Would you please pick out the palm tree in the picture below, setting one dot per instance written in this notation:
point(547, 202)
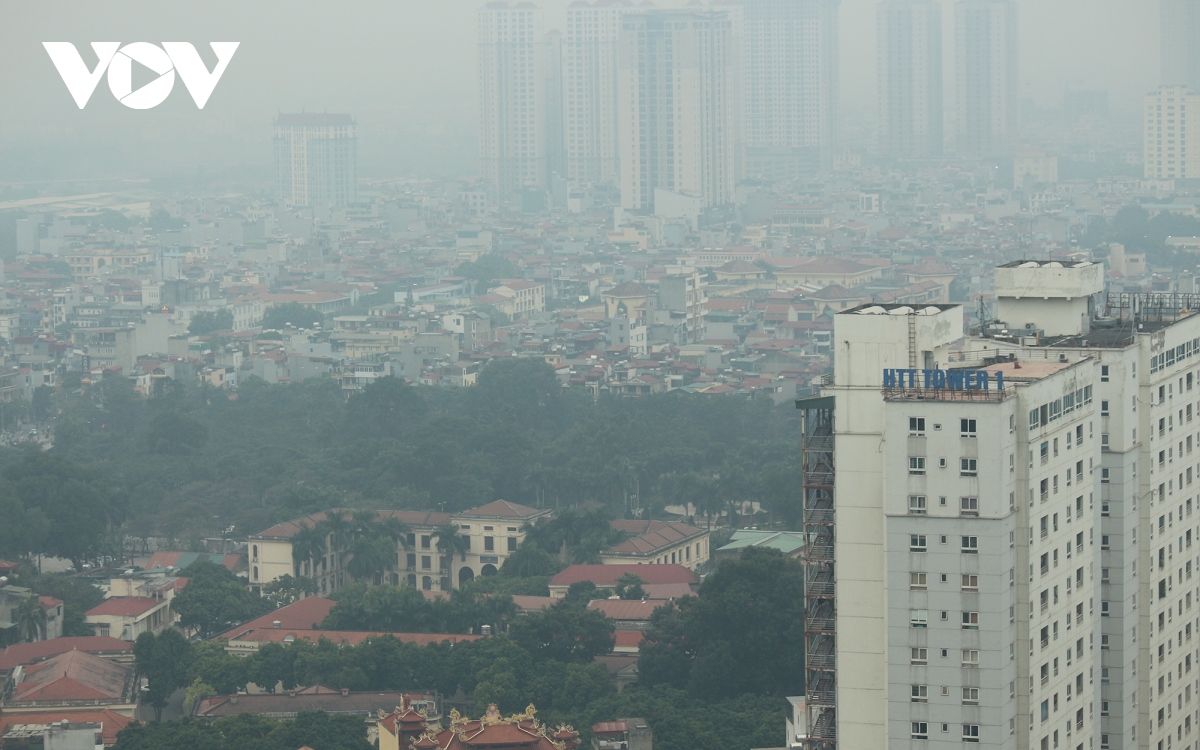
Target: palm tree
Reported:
point(30, 619)
point(308, 544)
point(337, 527)
point(450, 543)
point(364, 521)
point(370, 557)
point(395, 529)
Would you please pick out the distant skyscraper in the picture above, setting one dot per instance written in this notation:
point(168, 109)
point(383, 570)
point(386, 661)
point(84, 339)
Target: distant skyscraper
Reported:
point(512, 97)
point(676, 110)
point(910, 78)
point(316, 159)
point(1181, 43)
point(590, 83)
point(1172, 124)
point(789, 60)
point(985, 40)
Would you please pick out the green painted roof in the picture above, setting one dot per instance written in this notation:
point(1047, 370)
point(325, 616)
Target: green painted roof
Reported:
point(784, 541)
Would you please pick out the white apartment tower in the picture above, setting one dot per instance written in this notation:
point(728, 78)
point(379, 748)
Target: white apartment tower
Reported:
point(676, 106)
point(1172, 123)
point(985, 40)
point(1180, 43)
point(909, 40)
point(789, 52)
point(1099, 461)
point(512, 97)
point(589, 53)
point(316, 159)
point(953, 585)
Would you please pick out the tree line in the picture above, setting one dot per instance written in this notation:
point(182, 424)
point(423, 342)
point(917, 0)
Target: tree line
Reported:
point(191, 461)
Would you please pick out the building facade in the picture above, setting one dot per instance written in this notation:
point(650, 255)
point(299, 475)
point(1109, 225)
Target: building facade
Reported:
point(1172, 123)
point(1180, 43)
point(789, 71)
point(909, 39)
point(676, 106)
point(985, 40)
point(316, 159)
point(512, 97)
point(589, 56)
point(966, 506)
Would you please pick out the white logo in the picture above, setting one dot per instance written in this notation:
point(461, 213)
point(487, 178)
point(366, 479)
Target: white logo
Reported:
point(118, 61)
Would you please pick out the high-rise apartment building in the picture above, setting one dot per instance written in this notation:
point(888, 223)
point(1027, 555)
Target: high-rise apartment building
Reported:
point(512, 97)
point(1171, 125)
point(985, 40)
point(316, 159)
point(789, 102)
point(909, 40)
point(1036, 483)
point(676, 106)
point(589, 54)
point(1180, 42)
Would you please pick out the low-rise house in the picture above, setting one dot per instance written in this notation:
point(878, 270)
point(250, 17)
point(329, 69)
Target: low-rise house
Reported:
point(71, 679)
point(622, 734)
point(249, 641)
point(26, 725)
point(790, 543)
point(127, 617)
point(606, 576)
point(30, 653)
point(662, 543)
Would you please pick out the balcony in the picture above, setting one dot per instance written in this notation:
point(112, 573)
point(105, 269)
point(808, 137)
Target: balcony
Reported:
point(823, 693)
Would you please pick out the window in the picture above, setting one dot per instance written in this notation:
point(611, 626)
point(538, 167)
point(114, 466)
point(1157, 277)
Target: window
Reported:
point(967, 467)
point(920, 730)
point(1103, 373)
point(920, 693)
point(1104, 476)
point(916, 465)
point(966, 427)
point(918, 618)
point(968, 506)
point(919, 656)
point(917, 580)
point(425, 542)
point(916, 543)
point(916, 426)
point(970, 545)
point(970, 621)
point(970, 733)
point(970, 582)
point(970, 695)
point(489, 544)
point(512, 544)
point(970, 657)
point(916, 505)
point(1104, 408)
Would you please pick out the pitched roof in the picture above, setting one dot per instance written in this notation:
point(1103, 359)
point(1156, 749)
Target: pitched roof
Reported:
point(628, 289)
point(28, 653)
point(607, 575)
point(124, 606)
point(655, 540)
point(534, 603)
point(329, 701)
point(110, 721)
point(288, 529)
point(634, 526)
point(75, 675)
point(303, 614)
point(180, 560)
point(623, 609)
point(502, 509)
point(827, 264)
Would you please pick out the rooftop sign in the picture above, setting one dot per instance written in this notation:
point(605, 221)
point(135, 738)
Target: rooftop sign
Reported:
point(951, 380)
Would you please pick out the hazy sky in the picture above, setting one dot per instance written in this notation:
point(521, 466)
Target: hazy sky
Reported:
point(406, 70)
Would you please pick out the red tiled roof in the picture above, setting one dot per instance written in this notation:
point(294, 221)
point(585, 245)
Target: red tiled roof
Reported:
point(607, 575)
point(629, 638)
point(28, 653)
point(502, 509)
point(632, 526)
point(110, 721)
point(534, 603)
point(655, 540)
point(288, 529)
point(124, 606)
point(75, 675)
point(622, 609)
point(305, 614)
